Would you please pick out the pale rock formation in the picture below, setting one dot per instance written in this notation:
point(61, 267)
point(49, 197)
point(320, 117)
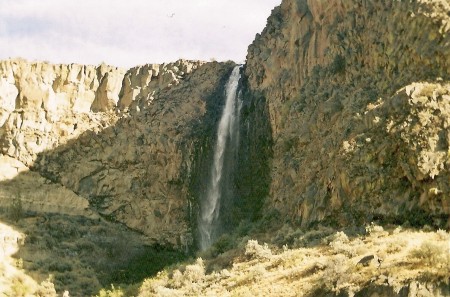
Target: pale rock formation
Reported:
point(36, 193)
point(44, 105)
point(107, 94)
point(143, 83)
point(8, 96)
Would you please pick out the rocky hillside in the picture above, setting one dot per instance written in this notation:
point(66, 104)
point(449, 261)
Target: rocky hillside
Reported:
point(357, 94)
point(319, 263)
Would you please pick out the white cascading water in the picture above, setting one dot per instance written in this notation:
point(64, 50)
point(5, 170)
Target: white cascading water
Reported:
point(228, 130)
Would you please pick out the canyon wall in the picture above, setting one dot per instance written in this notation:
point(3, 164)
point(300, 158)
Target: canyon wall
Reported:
point(345, 120)
point(140, 170)
point(357, 94)
point(128, 144)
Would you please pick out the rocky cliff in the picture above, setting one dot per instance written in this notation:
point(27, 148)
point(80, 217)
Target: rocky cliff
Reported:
point(357, 96)
point(43, 105)
point(345, 121)
point(140, 170)
point(128, 145)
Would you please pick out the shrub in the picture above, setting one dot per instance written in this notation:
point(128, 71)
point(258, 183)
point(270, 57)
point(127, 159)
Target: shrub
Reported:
point(254, 250)
point(19, 287)
point(312, 237)
point(442, 234)
point(373, 229)
point(150, 286)
point(340, 244)
point(195, 272)
point(177, 279)
point(224, 243)
point(47, 288)
point(15, 210)
point(111, 293)
point(338, 65)
point(60, 266)
point(432, 254)
point(339, 237)
point(254, 274)
point(335, 271)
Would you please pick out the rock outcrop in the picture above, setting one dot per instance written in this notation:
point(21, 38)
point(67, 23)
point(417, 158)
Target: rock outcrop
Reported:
point(143, 83)
point(357, 97)
point(44, 105)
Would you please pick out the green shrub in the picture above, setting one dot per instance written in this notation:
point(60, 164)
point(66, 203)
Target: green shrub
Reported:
point(223, 244)
point(60, 266)
point(338, 65)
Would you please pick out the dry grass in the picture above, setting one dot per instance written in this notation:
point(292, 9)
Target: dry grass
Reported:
point(82, 255)
point(14, 281)
point(332, 265)
point(329, 266)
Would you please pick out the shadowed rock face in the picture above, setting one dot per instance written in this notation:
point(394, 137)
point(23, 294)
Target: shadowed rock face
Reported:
point(116, 180)
point(357, 133)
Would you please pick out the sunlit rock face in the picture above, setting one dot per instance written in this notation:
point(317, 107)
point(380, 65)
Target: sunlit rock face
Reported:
point(357, 97)
point(43, 105)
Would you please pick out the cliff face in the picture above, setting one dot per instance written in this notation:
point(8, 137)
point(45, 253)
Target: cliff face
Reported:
point(44, 105)
point(139, 171)
point(357, 96)
point(127, 144)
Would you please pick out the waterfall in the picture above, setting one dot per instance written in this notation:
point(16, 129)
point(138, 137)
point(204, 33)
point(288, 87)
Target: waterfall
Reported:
point(227, 139)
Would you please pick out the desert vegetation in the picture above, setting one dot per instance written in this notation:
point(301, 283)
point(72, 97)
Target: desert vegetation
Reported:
point(312, 263)
point(80, 255)
point(286, 261)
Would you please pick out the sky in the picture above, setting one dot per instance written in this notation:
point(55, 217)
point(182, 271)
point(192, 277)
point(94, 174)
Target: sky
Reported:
point(127, 33)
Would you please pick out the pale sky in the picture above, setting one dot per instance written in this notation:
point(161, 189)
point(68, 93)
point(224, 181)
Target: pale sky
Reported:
point(130, 32)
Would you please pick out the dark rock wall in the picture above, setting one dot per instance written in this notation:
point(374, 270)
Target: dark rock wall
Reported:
point(357, 133)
